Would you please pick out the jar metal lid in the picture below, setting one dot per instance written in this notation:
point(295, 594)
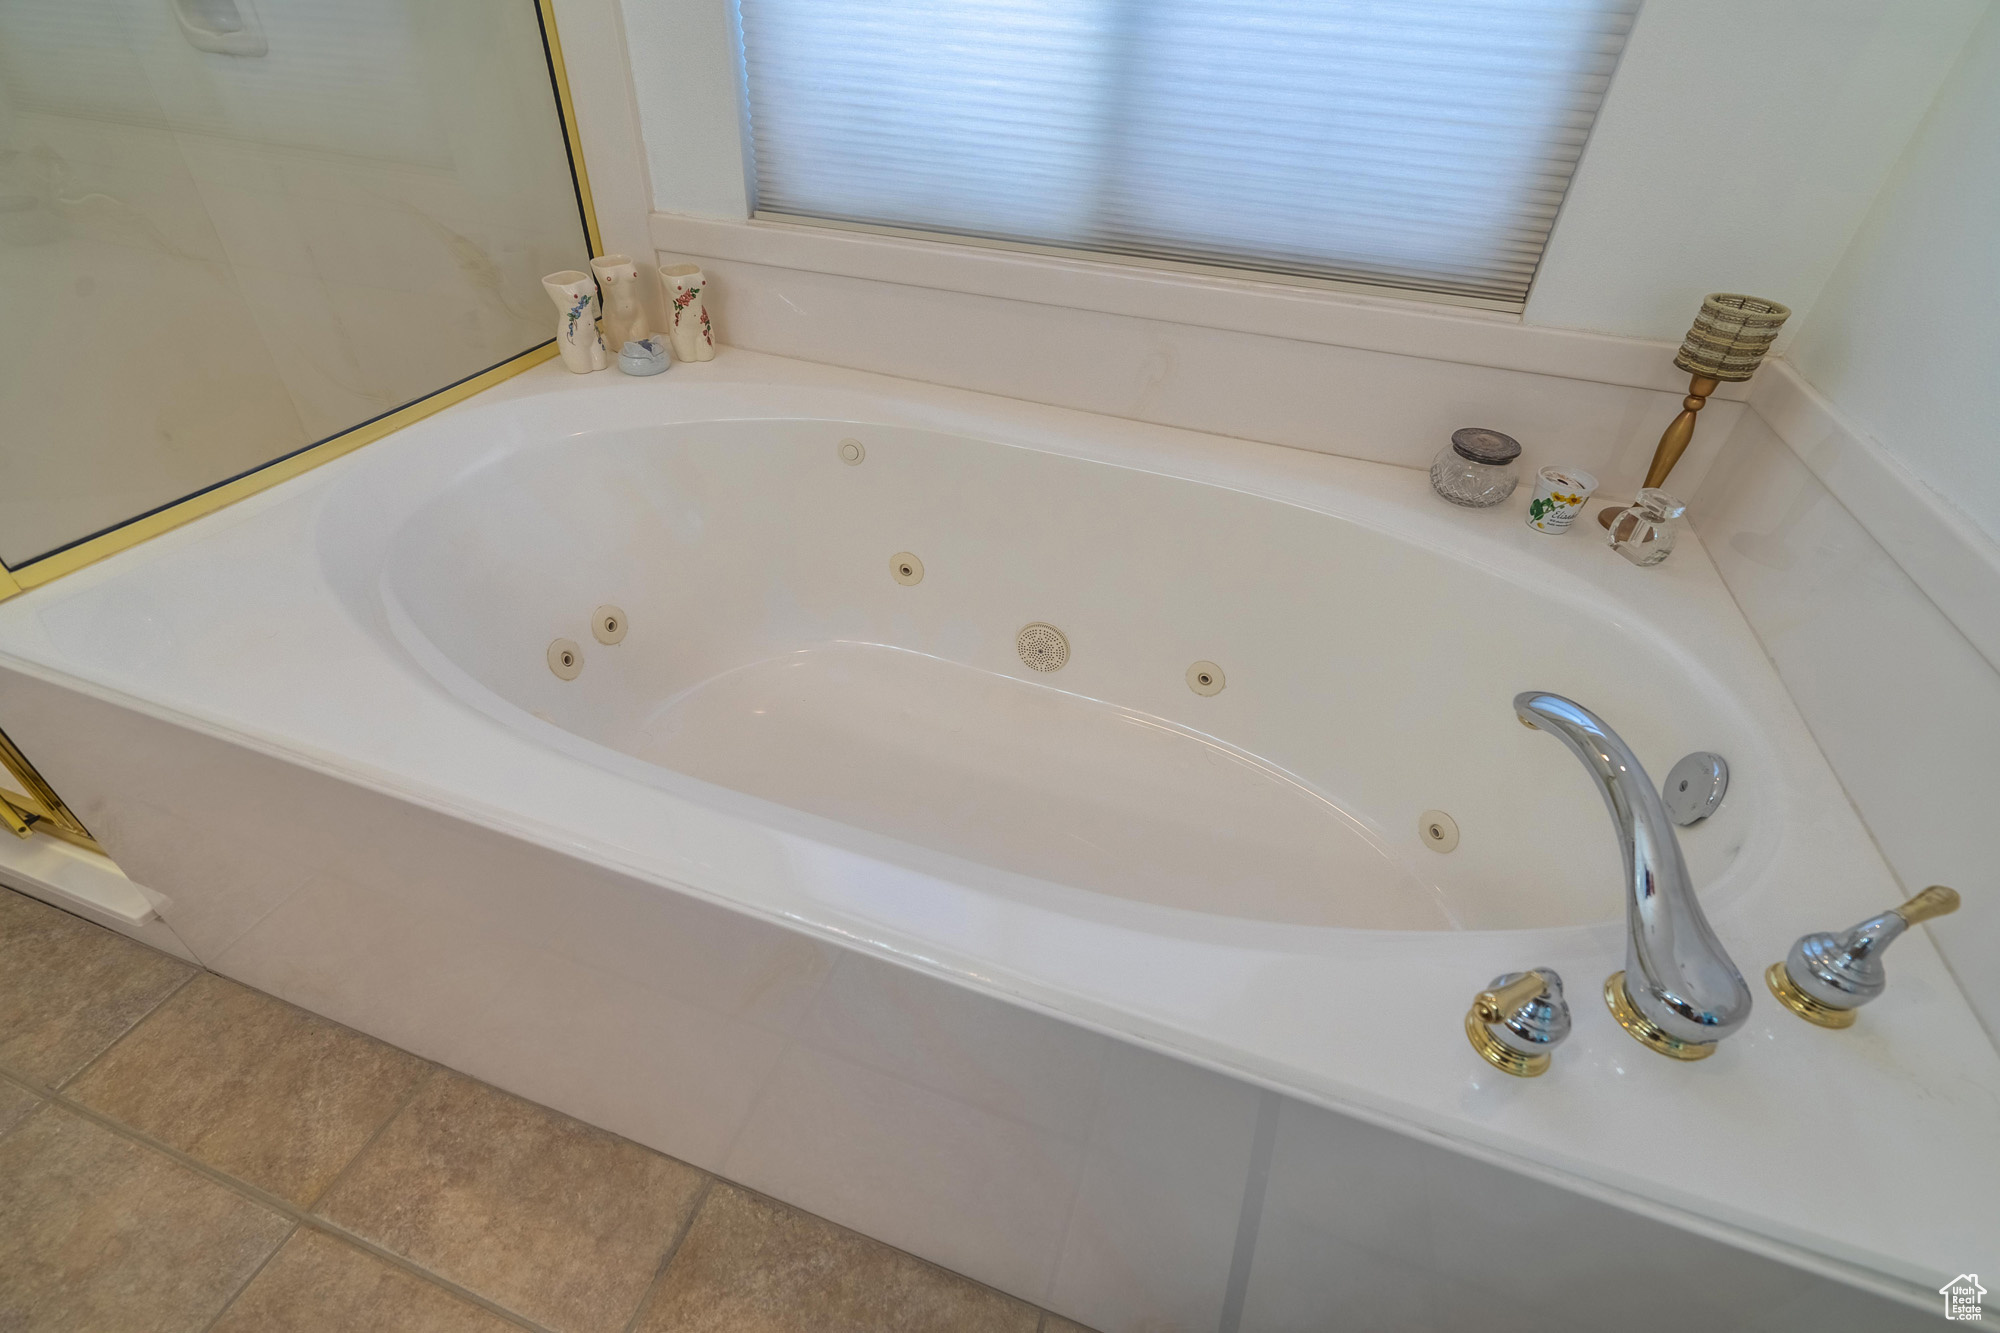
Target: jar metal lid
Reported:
point(1485, 446)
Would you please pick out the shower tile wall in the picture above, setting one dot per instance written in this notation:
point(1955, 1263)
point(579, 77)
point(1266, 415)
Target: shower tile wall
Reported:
point(227, 258)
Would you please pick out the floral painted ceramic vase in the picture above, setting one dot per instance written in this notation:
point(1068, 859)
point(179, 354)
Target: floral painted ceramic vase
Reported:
point(577, 338)
point(693, 337)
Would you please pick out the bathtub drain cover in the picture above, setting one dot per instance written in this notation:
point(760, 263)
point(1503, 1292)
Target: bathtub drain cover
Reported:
point(1042, 647)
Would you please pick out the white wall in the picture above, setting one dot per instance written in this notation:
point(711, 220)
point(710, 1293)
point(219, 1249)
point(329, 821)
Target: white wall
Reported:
point(1874, 589)
point(598, 60)
point(686, 74)
point(1738, 148)
point(1906, 339)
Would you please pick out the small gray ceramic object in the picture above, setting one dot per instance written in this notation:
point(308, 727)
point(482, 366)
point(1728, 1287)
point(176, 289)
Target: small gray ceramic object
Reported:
point(644, 356)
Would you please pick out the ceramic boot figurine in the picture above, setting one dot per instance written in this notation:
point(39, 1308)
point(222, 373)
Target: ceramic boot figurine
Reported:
point(624, 318)
point(694, 339)
point(577, 338)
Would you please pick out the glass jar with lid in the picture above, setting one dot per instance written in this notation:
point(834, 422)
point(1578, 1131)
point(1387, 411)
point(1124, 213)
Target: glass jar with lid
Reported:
point(1478, 469)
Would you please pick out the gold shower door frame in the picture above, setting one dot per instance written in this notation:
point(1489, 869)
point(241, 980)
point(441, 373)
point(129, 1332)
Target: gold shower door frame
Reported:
point(27, 802)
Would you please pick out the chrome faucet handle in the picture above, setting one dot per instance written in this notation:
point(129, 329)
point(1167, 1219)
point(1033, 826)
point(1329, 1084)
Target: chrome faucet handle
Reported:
point(1826, 979)
point(1516, 1022)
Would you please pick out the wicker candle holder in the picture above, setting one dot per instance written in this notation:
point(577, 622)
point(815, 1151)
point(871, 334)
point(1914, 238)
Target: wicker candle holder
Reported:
point(1726, 343)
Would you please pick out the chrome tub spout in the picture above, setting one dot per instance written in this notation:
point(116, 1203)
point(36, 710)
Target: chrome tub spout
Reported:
point(1679, 993)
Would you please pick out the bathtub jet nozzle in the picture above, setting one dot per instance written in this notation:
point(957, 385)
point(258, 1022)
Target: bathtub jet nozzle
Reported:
point(1679, 993)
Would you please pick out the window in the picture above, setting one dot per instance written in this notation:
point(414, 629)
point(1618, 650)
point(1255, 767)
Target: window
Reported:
point(1423, 146)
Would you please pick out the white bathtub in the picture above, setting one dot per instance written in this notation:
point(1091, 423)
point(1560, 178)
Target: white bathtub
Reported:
point(773, 653)
point(811, 880)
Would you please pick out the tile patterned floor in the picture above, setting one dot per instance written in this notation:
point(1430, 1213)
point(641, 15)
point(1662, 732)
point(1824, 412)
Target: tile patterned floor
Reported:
point(178, 1152)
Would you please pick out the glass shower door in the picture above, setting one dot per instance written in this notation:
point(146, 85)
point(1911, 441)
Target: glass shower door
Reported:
point(232, 230)
point(238, 237)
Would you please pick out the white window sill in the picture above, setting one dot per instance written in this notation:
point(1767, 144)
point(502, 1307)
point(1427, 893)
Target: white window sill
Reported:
point(1338, 318)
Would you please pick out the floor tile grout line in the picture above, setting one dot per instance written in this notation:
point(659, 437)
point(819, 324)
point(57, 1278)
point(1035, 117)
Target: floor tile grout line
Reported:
point(244, 1285)
point(347, 1168)
point(286, 1208)
point(137, 1023)
point(422, 1274)
point(22, 1081)
point(673, 1248)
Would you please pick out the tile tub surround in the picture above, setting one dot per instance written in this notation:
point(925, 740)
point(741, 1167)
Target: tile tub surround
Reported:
point(458, 1208)
point(705, 987)
point(450, 1210)
point(1876, 603)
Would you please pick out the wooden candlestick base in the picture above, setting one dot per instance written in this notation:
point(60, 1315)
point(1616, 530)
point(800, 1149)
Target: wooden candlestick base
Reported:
point(1673, 442)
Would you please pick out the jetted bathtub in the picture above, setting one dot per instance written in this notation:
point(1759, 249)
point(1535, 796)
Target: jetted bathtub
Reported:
point(842, 642)
point(1061, 846)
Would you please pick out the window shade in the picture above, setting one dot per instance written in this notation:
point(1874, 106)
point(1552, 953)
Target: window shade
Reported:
point(1416, 145)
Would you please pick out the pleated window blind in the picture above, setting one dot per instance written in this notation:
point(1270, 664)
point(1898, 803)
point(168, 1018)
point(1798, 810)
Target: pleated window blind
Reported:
point(1412, 144)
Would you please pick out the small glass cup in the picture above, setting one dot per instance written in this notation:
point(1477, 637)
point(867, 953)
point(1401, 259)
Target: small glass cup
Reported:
point(1478, 469)
point(1643, 532)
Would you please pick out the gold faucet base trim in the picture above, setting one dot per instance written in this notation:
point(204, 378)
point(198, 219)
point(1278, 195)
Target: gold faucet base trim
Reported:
point(1644, 1030)
point(1503, 1058)
point(1804, 1005)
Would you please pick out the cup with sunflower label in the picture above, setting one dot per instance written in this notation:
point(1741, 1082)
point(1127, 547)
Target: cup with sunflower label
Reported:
point(1558, 499)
